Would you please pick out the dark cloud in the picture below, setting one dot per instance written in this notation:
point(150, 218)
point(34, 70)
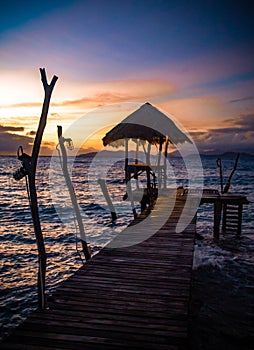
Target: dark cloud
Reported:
point(246, 122)
point(31, 133)
point(248, 98)
point(4, 129)
point(225, 131)
point(10, 141)
point(237, 136)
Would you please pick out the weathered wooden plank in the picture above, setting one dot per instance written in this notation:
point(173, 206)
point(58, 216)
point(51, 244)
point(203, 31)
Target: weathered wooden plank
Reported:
point(126, 298)
point(107, 318)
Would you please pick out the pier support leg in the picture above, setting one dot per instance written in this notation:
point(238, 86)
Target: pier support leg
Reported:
point(217, 219)
point(239, 223)
point(224, 219)
point(110, 204)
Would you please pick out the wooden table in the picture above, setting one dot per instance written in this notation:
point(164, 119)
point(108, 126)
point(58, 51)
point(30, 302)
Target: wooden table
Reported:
point(221, 202)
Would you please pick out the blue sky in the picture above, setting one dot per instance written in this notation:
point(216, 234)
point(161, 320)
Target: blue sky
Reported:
point(196, 56)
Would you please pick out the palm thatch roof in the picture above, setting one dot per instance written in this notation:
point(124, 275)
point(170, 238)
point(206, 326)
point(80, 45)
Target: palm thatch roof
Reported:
point(146, 123)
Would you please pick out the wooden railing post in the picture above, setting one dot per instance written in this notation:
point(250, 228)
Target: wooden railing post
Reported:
point(74, 202)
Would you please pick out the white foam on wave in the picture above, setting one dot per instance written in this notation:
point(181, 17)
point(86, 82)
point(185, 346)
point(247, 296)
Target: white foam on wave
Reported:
point(207, 255)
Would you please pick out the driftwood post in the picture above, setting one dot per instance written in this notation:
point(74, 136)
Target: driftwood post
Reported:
point(48, 88)
point(28, 169)
point(219, 164)
point(74, 202)
point(110, 204)
point(227, 186)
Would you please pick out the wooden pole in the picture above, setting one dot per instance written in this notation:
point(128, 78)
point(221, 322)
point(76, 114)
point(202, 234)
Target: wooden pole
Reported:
point(219, 164)
point(165, 162)
point(110, 204)
point(128, 178)
point(224, 217)
point(239, 219)
point(149, 154)
point(74, 202)
point(159, 163)
point(145, 151)
point(227, 186)
point(137, 152)
point(217, 218)
point(126, 160)
point(136, 162)
point(48, 88)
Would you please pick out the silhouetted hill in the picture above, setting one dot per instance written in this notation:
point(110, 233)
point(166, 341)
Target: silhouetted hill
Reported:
point(132, 154)
point(234, 154)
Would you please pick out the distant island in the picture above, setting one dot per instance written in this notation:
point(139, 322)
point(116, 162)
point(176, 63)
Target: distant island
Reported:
point(175, 154)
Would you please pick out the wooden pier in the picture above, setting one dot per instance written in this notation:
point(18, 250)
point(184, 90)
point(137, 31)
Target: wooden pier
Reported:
point(134, 297)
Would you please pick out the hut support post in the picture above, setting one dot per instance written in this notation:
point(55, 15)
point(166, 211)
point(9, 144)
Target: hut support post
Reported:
point(61, 139)
point(159, 163)
point(149, 154)
point(48, 89)
point(128, 178)
point(136, 162)
point(165, 163)
point(137, 152)
point(126, 160)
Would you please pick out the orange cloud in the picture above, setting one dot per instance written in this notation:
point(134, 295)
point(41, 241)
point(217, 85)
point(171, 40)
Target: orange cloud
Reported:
point(198, 112)
point(100, 93)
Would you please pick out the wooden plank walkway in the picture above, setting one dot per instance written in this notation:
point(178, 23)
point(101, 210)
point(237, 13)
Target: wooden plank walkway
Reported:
point(125, 298)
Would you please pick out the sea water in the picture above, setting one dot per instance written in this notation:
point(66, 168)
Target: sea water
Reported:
point(223, 283)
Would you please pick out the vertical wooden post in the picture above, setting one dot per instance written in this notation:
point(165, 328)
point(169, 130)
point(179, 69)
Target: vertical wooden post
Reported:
point(48, 88)
point(104, 189)
point(227, 186)
point(148, 177)
point(72, 194)
point(137, 152)
point(219, 164)
point(149, 153)
point(217, 219)
point(165, 162)
point(224, 218)
point(126, 160)
point(159, 163)
point(130, 195)
point(128, 178)
point(239, 221)
point(136, 162)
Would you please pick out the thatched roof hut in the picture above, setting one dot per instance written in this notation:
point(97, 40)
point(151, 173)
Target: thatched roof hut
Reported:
point(146, 123)
point(153, 127)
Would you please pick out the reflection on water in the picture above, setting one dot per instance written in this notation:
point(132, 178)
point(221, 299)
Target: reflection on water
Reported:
point(223, 271)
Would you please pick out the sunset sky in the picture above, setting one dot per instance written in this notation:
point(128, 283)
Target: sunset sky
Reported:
point(192, 59)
